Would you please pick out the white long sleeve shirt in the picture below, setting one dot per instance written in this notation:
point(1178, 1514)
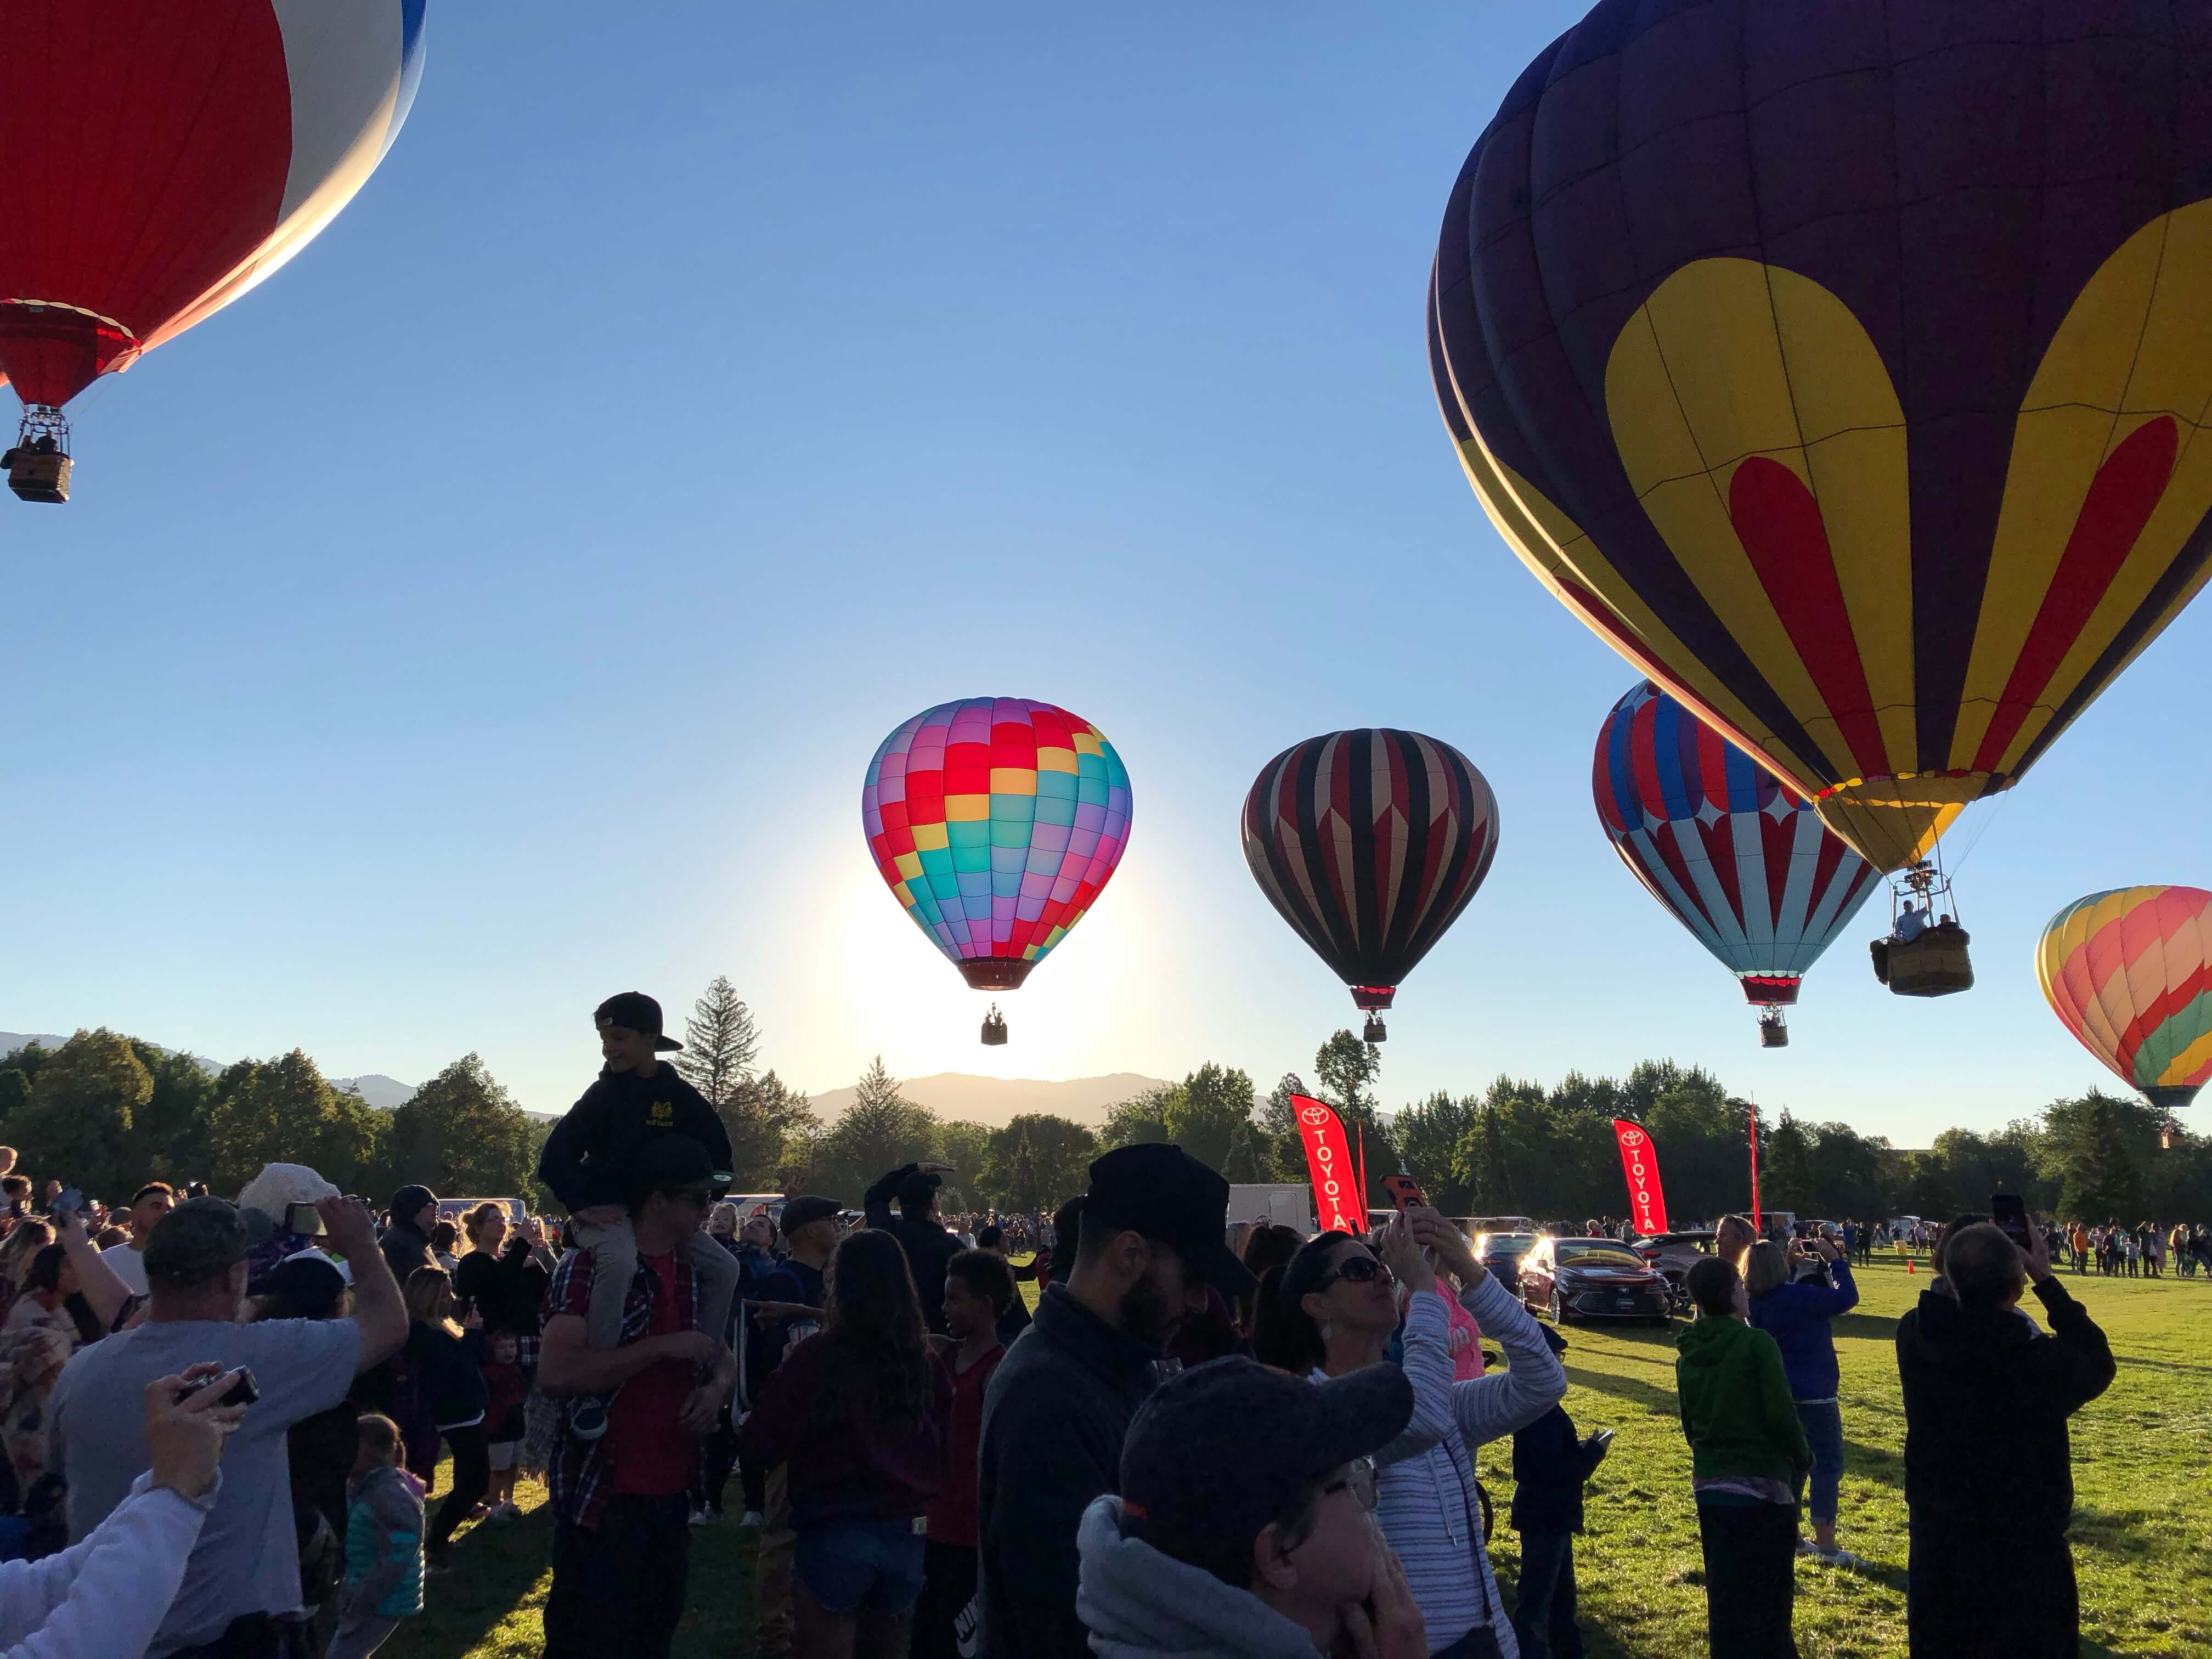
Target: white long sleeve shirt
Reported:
point(108, 1594)
point(1426, 1499)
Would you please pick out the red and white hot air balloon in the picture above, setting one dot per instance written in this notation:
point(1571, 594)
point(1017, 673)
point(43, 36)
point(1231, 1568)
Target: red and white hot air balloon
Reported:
point(161, 157)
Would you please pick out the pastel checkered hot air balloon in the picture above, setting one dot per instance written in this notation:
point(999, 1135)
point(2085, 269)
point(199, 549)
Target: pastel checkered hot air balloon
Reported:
point(161, 157)
point(1842, 366)
point(996, 822)
point(1739, 857)
point(2129, 973)
point(1369, 843)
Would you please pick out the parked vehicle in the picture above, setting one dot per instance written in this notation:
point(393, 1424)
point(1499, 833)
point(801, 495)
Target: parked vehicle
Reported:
point(1593, 1279)
point(1501, 1254)
point(1674, 1255)
point(1283, 1204)
point(1475, 1226)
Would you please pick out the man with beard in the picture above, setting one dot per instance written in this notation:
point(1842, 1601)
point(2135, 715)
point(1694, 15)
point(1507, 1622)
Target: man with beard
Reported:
point(1149, 1241)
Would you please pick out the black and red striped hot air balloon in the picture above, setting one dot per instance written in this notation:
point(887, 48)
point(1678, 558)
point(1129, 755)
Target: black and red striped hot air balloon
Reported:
point(1371, 843)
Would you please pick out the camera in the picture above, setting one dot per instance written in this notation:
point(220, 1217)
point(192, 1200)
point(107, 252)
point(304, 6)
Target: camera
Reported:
point(244, 1392)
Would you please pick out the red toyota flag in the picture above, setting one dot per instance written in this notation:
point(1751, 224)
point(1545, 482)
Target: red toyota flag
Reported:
point(1336, 1207)
point(1640, 1163)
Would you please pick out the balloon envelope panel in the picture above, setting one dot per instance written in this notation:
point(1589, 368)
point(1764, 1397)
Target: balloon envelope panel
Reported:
point(1741, 858)
point(1369, 843)
point(2128, 973)
point(1839, 363)
point(162, 159)
point(996, 822)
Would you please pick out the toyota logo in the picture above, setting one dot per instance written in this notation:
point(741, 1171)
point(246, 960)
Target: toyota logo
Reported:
point(1315, 1115)
point(1631, 1137)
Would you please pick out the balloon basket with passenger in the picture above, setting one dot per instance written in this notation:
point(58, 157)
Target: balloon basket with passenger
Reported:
point(39, 467)
point(1926, 953)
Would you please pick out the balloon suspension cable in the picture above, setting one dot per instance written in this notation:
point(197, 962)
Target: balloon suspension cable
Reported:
point(1922, 886)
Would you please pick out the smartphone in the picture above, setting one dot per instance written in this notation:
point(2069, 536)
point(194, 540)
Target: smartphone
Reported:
point(69, 1198)
point(2011, 1216)
point(244, 1392)
point(1404, 1191)
point(303, 1218)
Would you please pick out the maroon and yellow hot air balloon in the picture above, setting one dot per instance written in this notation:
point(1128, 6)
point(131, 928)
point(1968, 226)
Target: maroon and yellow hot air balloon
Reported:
point(1841, 364)
point(2130, 974)
point(1369, 843)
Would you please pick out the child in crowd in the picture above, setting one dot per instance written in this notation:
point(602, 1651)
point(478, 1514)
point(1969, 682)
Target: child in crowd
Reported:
point(384, 1544)
point(1749, 1460)
point(636, 1099)
point(978, 1286)
point(1550, 1466)
point(505, 1391)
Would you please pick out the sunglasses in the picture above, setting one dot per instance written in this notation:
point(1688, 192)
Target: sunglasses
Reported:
point(1359, 1480)
point(1358, 1270)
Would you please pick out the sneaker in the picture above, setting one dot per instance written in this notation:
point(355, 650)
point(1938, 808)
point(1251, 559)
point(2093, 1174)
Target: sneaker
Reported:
point(1839, 1557)
point(588, 1417)
point(700, 1518)
point(1806, 1547)
point(750, 1518)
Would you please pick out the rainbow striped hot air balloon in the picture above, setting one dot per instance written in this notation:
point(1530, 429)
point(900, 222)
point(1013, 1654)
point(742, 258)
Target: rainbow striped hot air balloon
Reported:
point(996, 822)
point(2129, 973)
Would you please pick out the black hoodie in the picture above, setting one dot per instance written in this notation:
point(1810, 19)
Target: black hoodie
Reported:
point(1986, 1400)
point(587, 1157)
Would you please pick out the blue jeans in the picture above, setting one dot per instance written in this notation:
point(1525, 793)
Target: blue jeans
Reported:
point(1824, 1433)
point(1544, 1612)
point(861, 1566)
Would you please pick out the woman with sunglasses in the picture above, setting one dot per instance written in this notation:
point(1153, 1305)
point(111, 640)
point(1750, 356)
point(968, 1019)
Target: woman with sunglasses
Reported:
point(1334, 1309)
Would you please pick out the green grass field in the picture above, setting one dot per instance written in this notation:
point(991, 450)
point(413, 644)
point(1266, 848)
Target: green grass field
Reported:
point(2142, 1534)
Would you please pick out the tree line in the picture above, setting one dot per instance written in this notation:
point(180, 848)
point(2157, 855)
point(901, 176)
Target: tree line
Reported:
point(108, 1111)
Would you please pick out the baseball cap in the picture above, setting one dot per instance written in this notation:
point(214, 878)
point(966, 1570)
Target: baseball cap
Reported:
point(641, 1013)
point(1223, 1448)
point(800, 1211)
point(202, 1237)
point(1164, 1193)
point(668, 1163)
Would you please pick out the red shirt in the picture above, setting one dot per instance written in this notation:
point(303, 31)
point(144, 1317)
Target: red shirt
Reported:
point(646, 1454)
point(952, 1511)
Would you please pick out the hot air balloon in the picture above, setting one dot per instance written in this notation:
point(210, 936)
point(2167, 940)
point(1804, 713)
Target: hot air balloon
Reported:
point(2129, 973)
point(1369, 843)
point(162, 159)
point(1741, 858)
point(996, 822)
point(1840, 364)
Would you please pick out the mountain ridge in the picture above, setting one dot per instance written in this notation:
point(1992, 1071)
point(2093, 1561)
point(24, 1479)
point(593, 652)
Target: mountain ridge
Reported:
point(384, 1093)
point(995, 1102)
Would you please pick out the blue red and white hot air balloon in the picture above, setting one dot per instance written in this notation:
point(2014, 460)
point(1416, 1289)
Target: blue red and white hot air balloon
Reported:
point(159, 159)
point(1741, 858)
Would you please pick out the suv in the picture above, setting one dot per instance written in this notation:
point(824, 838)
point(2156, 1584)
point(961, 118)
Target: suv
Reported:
point(1501, 1253)
point(1674, 1255)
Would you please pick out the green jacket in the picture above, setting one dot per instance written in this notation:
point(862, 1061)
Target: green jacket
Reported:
point(1736, 1408)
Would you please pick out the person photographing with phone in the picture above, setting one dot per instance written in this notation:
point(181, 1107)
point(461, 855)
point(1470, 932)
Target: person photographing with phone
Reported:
point(243, 1581)
point(1798, 1313)
point(1989, 1486)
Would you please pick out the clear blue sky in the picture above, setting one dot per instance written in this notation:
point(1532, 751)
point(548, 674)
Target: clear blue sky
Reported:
point(496, 609)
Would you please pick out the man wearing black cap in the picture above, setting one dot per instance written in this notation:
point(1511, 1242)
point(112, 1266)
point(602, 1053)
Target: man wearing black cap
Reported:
point(1244, 1529)
point(635, 1102)
point(406, 1243)
point(928, 1247)
point(243, 1582)
point(1150, 1240)
point(620, 1498)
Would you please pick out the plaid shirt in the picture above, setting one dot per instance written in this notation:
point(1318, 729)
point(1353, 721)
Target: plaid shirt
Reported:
point(580, 1479)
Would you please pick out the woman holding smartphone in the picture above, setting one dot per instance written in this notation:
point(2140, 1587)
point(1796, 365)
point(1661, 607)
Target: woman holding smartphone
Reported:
point(1798, 1314)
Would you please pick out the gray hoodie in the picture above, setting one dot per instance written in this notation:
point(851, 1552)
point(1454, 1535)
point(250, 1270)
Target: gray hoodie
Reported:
point(1140, 1604)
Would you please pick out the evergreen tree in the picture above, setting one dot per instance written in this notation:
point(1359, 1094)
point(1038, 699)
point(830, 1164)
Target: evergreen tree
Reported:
point(721, 1043)
point(463, 1136)
point(763, 1118)
point(1037, 1161)
point(881, 1130)
point(2099, 1178)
